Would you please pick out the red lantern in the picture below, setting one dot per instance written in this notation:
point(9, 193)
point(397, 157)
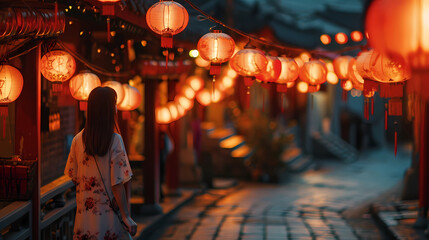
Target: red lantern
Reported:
point(249, 62)
point(167, 18)
point(186, 103)
point(289, 71)
point(354, 75)
point(81, 85)
point(163, 115)
point(132, 98)
point(57, 66)
point(272, 71)
point(356, 36)
point(217, 48)
point(325, 39)
point(341, 66)
point(204, 97)
point(11, 83)
point(341, 38)
point(195, 82)
point(117, 86)
point(314, 73)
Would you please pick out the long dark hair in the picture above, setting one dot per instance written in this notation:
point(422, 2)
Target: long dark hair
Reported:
point(100, 121)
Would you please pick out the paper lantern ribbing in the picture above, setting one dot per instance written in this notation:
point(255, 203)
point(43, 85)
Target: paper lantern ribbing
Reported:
point(82, 84)
point(57, 66)
point(289, 72)
point(314, 73)
point(217, 48)
point(341, 66)
point(167, 18)
point(132, 98)
point(117, 86)
point(272, 71)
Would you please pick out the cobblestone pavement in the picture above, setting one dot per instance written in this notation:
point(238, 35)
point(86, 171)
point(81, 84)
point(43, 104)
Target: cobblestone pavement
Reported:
point(307, 206)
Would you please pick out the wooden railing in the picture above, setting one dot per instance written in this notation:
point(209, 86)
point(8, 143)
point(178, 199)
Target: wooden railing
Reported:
point(15, 221)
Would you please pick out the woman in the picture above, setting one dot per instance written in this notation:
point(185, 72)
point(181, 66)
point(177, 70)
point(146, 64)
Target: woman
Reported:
point(98, 151)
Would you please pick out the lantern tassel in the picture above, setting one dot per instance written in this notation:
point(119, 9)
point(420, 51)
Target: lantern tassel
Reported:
point(311, 101)
point(215, 68)
point(365, 109)
point(281, 99)
point(396, 142)
point(108, 30)
point(166, 60)
point(248, 98)
point(372, 105)
point(166, 41)
point(213, 87)
point(385, 117)
point(83, 106)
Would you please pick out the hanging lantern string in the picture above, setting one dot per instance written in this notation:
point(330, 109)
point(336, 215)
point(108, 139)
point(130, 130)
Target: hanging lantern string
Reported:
point(93, 67)
point(265, 42)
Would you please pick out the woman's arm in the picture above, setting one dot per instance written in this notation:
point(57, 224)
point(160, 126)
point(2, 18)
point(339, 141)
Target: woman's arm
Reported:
point(121, 199)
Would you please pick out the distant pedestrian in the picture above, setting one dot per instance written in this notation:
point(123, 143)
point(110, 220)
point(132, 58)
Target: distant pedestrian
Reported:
point(99, 166)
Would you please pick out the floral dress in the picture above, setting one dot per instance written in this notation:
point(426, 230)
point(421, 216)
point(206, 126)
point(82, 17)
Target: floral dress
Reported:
point(94, 217)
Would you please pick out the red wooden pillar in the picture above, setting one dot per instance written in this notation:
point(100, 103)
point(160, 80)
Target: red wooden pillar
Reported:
point(151, 162)
point(27, 128)
point(172, 164)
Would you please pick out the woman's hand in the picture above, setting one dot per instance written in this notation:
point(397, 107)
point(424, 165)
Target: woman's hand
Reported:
point(132, 226)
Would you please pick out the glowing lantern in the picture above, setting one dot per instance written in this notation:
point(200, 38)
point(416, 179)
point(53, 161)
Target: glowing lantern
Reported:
point(356, 36)
point(305, 56)
point(173, 110)
point(57, 66)
point(249, 62)
point(304, 87)
point(11, 83)
point(188, 92)
point(81, 85)
point(117, 86)
point(354, 76)
point(227, 82)
point(195, 82)
point(216, 96)
point(289, 71)
point(272, 71)
point(341, 66)
point(290, 84)
point(314, 73)
point(204, 97)
point(231, 73)
point(347, 85)
point(132, 98)
point(217, 48)
point(163, 115)
point(167, 18)
point(299, 62)
point(325, 39)
point(331, 78)
point(341, 38)
point(201, 62)
point(184, 101)
point(180, 110)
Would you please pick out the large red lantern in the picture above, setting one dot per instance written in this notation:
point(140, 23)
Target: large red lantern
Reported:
point(132, 98)
point(57, 66)
point(289, 72)
point(249, 62)
point(354, 75)
point(11, 83)
point(217, 48)
point(167, 18)
point(81, 86)
point(272, 71)
point(117, 86)
point(314, 73)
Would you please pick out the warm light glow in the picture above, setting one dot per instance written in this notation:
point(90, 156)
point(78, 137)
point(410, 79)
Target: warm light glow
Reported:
point(290, 84)
point(184, 101)
point(117, 86)
point(325, 39)
point(231, 73)
point(329, 66)
point(356, 36)
point(272, 71)
point(302, 87)
point(11, 83)
point(305, 56)
point(331, 78)
point(341, 66)
point(289, 70)
point(313, 72)
point(163, 115)
point(355, 93)
point(228, 82)
point(188, 92)
point(347, 85)
point(216, 47)
point(194, 53)
point(180, 109)
point(341, 38)
point(201, 62)
point(195, 82)
point(132, 98)
point(217, 97)
point(204, 97)
point(173, 110)
point(354, 75)
point(248, 62)
point(57, 66)
point(144, 43)
point(82, 84)
point(299, 62)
